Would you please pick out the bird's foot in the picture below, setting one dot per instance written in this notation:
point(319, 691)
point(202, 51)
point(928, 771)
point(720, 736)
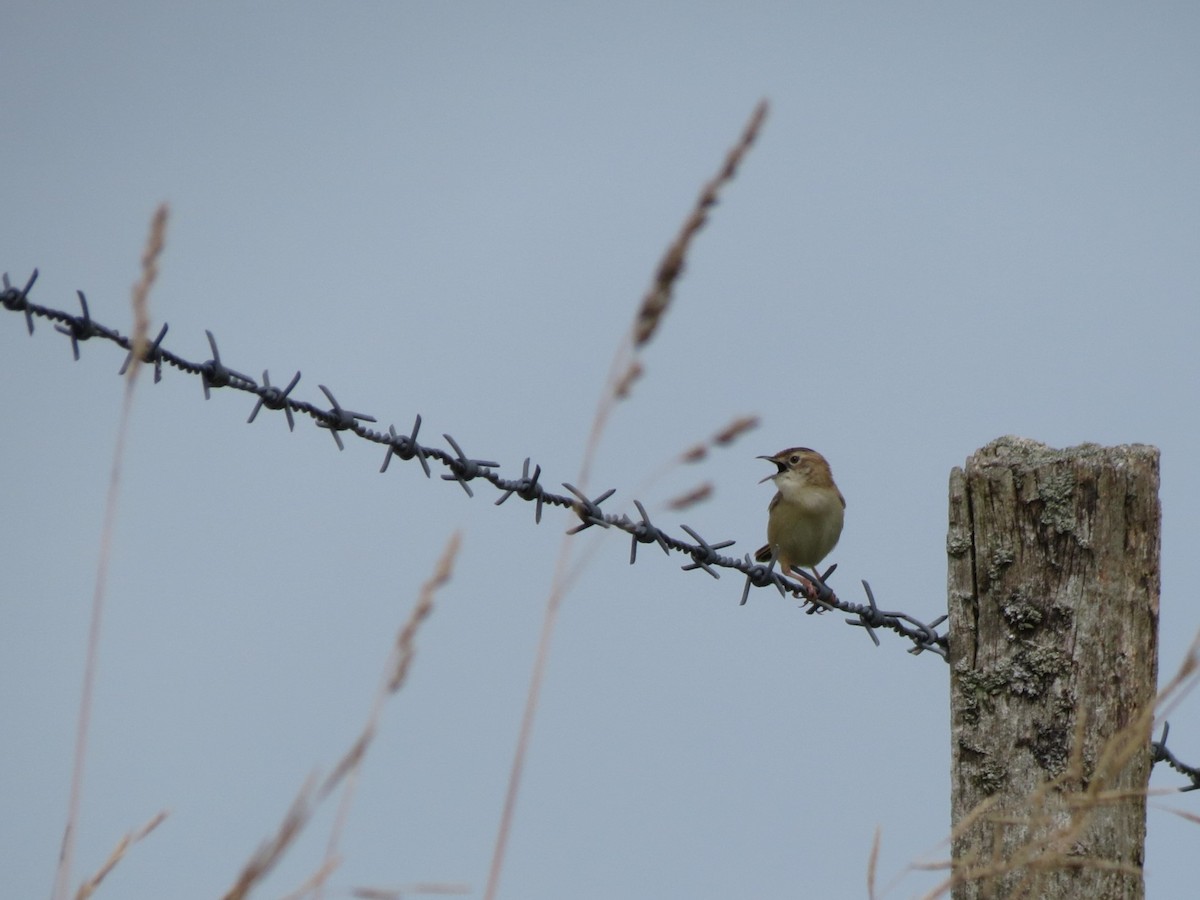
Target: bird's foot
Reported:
point(811, 588)
point(809, 592)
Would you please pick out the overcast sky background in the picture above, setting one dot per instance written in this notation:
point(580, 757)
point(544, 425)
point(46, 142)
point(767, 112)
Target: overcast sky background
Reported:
point(960, 221)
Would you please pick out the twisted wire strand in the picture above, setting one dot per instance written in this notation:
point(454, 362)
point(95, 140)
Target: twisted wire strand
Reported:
point(466, 469)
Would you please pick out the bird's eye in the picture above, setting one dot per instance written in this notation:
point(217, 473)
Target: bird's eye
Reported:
point(794, 458)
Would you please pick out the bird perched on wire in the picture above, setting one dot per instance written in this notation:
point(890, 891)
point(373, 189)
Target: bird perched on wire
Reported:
point(804, 520)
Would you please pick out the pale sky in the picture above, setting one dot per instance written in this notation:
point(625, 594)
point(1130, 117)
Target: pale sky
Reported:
point(960, 221)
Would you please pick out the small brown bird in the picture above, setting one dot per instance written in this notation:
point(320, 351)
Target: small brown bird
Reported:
point(804, 520)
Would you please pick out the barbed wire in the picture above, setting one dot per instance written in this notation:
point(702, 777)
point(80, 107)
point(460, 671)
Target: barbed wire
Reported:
point(1160, 753)
point(465, 469)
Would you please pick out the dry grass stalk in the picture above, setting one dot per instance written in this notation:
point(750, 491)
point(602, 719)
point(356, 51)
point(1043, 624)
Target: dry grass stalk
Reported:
point(1184, 814)
point(347, 768)
point(722, 438)
point(624, 371)
point(141, 294)
point(405, 651)
point(626, 368)
point(624, 384)
point(559, 585)
point(658, 298)
point(734, 430)
point(401, 892)
point(698, 453)
point(691, 498)
point(271, 851)
point(401, 660)
point(89, 887)
point(314, 882)
point(141, 290)
point(872, 863)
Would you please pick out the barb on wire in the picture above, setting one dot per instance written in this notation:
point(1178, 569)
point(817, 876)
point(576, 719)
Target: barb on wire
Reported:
point(645, 533)
point(18, 300)
point(79, 328)
point(589, 510)
point(813, 589)
point(405, 447)
point(215, 375)
point(273, 398)
point(153, 354)
point(527, 488)
point(758, 575)
point(463, 468)
point(1162, 754)
point(704, 555)
point(338, 419)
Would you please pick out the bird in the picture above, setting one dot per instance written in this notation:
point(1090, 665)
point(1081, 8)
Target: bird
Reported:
point(805, 517)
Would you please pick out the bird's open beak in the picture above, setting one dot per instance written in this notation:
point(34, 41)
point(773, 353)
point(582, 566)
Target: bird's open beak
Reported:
point(770, 459)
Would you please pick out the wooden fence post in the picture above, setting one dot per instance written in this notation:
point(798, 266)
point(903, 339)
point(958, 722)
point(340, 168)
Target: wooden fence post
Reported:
point(1053, 592)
